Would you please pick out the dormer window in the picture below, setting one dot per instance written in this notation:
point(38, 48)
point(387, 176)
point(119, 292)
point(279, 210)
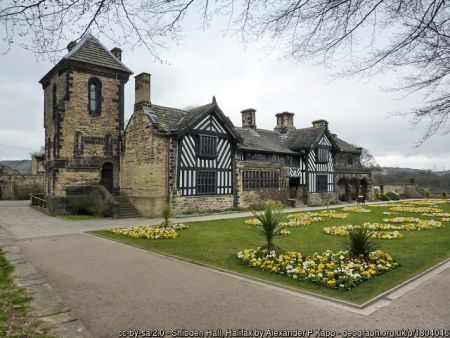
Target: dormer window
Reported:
point(95, 96)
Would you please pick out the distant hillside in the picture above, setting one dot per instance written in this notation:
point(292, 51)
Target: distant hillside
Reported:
point(436, 181)
point(22, 166)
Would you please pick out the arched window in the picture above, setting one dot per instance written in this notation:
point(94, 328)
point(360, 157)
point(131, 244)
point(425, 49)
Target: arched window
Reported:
point(95, 96)
point(108, 144)
point(78, 143)
point(54, 100)
point(55, 97)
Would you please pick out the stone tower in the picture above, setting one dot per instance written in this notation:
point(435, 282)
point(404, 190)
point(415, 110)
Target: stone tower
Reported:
point(84, 117)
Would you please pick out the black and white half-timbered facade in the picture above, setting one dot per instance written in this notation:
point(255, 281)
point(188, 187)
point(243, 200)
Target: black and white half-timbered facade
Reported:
point(197, 159)
point(206, 154)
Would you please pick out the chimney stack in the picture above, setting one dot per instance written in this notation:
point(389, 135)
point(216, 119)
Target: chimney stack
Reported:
point(117, 52)
point(285, 122)
point(248, 118)
point(71, 45)
point(141, 90)
point(320, 123)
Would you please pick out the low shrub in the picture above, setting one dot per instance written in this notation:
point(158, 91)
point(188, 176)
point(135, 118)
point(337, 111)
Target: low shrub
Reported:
point(444, 195)
point(92, 204)
point(384, 197)
point(393, 196)
point(359, 242)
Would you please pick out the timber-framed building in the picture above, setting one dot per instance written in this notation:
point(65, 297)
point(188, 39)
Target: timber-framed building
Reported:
point(191, 159)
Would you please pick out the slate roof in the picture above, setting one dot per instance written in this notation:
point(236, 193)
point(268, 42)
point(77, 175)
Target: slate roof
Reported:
point(166, 116)
point(346, 147)
point(262, 140)
point(192, 115)
point(303, 138)
point(90, 50)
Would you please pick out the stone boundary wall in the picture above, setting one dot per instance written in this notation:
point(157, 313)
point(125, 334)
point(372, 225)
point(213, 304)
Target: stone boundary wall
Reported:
point(202, 203)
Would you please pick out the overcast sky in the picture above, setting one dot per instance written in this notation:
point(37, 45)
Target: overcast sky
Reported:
point(204, 64)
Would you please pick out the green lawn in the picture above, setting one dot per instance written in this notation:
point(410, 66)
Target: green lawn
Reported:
point(80, 217)
point(14, 319)
point(217, 242)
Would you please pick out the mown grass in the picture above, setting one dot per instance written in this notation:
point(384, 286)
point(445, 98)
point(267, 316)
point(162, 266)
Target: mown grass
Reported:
point(217, 242)
point(14, 307)
point(80, 217)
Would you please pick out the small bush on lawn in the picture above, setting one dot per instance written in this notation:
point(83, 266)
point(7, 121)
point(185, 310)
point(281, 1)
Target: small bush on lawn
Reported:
point(338, 270)
point(358, 242)
point(167, 213)
point(444, 195)
point(394, 196)
point(269, 227)
point(385, 197)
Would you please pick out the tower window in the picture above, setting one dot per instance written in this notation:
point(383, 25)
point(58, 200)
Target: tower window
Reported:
point(108, 144)
point(78, 144)
point(95, 96)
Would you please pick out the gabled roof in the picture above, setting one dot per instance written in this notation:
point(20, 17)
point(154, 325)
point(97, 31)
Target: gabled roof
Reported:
point(195, 114)
point(346, 147)
point(177, 121)
point(307, 137)
point(262, 140)
point(303, 138)
point(90, 50)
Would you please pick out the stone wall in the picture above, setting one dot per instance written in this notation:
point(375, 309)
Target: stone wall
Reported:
point(316, 199)
point(405, 190)
point(247, 197)
point(14, 185)
point(144, 174)
point(202, 203)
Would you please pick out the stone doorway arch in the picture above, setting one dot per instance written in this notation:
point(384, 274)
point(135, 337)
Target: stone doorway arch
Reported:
point(107, 178)
point(354, 187)
point(363, 187)
point(343, 190)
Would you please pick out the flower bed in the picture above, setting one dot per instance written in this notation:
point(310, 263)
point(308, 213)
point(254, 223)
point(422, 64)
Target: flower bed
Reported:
point(401, 220)
point(356, 209)
point(332, 269)
point(387, 233)
point(415, 209)
point(150, 231)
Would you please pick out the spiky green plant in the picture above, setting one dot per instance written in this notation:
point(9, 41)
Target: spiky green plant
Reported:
point(269, 227)
point(358, 242)
point(166, 213)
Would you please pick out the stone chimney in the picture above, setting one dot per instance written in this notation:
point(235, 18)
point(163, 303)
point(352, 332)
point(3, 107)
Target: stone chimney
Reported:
point(320, 123)
point(71, 45)
point(117, 52)
point(141, 90)
point(248, 118)
point(285, 122)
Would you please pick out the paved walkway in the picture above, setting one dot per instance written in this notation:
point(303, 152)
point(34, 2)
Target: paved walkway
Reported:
point(112, 287)
point(25, 222)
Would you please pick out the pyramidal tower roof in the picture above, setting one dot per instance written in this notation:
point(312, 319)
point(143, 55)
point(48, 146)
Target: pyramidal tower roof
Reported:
point(90, 50)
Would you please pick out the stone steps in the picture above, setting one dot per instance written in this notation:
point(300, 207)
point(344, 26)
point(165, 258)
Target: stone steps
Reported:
point(127, 209)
